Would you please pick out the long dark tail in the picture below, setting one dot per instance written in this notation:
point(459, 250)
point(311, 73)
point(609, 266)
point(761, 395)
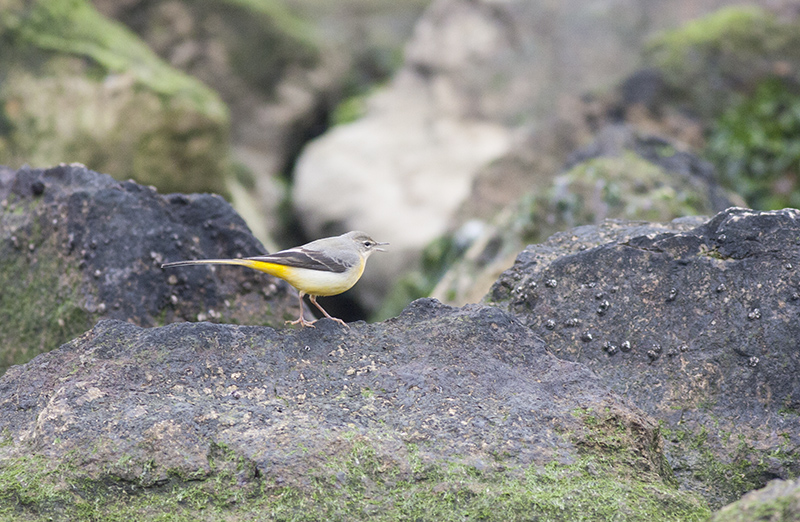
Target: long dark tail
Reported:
point(240, 262)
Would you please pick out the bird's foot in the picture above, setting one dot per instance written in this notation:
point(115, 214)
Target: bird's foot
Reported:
point(340, 322)
point(302, 322)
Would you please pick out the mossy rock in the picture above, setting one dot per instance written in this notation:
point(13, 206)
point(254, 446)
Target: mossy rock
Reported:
point(77, 246)
point(157, 429)
point(708, 60)
point(357, 484)
point(80, 88)
point(779, 501)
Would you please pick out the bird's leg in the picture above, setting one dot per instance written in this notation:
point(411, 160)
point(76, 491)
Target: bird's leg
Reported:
point(313, 299)
point(301, 320)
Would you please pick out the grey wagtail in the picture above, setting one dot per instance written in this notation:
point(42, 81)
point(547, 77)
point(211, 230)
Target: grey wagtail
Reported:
point(323, 267)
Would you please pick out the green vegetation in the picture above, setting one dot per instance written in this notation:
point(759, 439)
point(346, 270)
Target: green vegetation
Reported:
point(629, 187)
point(706, 60)
point(771, 505)
point(349, 110)
point(75, 27)
point(129, 113)
point(755, 145)
point(737, 69)
point(361, 483)
point(737, 28)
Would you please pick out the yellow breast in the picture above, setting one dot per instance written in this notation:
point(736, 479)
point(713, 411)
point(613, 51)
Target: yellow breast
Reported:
point(313, 282)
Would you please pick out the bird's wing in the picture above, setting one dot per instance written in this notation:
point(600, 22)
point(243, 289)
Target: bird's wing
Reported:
point(304, 258)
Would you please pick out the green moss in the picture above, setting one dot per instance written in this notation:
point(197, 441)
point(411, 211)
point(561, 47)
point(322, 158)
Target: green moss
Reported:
point(731, 479)
point(625, 443)
point(40, 306)
point(725, 474)
point(605, 481)
point(30, 487)
point(754, 145)
point(766, 508)
point(182, 153)
point(349, 110)
point(740, 27)
point(128, 112)
point(630, 188)
point(359, 484)
point(75, 27)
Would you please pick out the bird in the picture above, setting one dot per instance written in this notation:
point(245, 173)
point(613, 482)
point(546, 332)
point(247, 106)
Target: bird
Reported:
point(325, 267)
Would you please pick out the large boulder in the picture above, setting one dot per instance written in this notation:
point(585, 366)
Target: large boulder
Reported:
point(78, 87)
point(77, 246)
point(698, 324)
point(265, 65)
point(438, 414)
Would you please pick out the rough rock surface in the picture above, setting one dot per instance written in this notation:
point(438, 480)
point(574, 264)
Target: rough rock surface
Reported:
point(77, 246)
point(417, 398)
point(698, 327)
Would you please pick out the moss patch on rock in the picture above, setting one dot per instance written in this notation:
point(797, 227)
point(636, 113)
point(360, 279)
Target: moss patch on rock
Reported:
point(40, 304)
point(360, 483)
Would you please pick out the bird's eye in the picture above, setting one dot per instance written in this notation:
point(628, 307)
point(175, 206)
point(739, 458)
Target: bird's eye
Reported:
point(367, 244)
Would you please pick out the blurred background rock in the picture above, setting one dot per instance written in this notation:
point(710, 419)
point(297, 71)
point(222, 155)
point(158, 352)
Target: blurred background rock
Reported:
point(457, 130)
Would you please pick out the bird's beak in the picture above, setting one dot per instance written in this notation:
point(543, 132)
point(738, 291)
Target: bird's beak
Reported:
point(378, 245)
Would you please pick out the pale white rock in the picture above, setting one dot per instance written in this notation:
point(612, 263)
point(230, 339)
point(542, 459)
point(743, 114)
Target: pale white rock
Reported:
point(399, 173)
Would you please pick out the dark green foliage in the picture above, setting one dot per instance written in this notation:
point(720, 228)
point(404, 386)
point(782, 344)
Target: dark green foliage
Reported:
point(755, 145)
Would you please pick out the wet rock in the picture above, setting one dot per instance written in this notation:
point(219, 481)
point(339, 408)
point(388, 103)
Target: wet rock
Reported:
point(711, 332)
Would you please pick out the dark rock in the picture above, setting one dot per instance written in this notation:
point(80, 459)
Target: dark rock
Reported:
point(710, 329)
point(645, 87)
point(77, 246)
point(393, 410)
